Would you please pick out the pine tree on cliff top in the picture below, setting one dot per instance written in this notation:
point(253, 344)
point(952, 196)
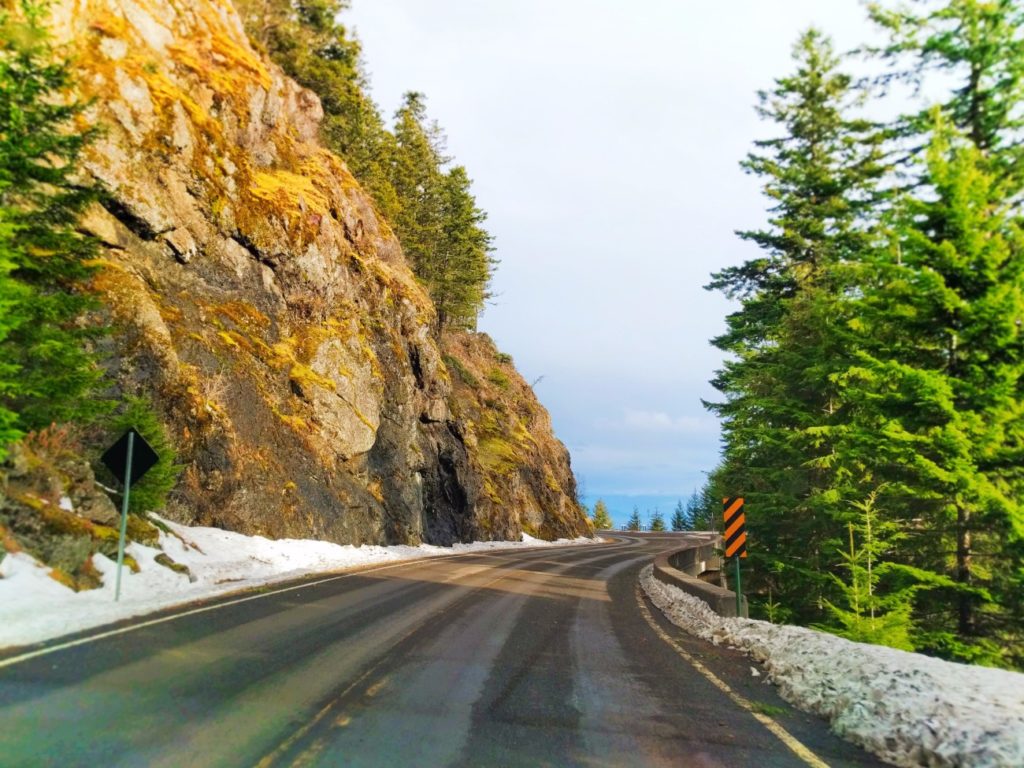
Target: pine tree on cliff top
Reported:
point(438, 222)
point(419, 183)
point(460, 270)
point(45, 371)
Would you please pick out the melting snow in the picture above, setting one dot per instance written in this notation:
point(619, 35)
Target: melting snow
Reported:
point(909, 709)
point(34, 607)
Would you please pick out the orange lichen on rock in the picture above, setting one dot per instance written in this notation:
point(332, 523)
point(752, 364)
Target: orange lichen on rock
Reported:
point(288, 193)
point(214, 55)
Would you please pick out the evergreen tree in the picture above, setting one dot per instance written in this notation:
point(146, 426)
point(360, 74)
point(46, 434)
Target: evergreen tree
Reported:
point(878, 348)
point(980, 44)
point(937, 392)
point(602, 521)
point(634, 524)
point(680, 520)
point(657, 520)
point(702, 509)
point(438, 220)
point(879, 594)
point(459, 271)
point(788, 339)
point(45, 370)
point(419, 183)
point(940, 376)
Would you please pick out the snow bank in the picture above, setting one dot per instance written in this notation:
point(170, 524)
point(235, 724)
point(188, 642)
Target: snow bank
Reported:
point(34, 607)
point(909, 709)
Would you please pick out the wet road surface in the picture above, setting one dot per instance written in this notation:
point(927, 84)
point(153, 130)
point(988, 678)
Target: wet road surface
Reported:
point(545, 657)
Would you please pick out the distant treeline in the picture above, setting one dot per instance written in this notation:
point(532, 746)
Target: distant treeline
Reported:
point(873, 414)
point(696, 515)
point(417, 189)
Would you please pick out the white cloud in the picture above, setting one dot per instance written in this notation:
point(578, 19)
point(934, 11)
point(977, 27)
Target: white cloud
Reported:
point(659, 421)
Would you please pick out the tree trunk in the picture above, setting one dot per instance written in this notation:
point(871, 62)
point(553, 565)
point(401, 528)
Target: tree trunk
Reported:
point(963, 571)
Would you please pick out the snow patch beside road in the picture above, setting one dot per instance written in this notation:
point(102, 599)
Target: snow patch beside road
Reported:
point(34, 607)
point(909, 709)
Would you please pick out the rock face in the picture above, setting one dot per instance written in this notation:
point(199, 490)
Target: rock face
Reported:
point(266, 308)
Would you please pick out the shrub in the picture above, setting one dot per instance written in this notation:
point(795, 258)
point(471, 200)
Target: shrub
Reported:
point(149, 493)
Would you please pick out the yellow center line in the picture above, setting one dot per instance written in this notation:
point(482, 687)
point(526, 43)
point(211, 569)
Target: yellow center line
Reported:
point(798, 748)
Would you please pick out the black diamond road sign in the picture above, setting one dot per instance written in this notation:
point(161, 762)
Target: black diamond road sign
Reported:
point(143, 457)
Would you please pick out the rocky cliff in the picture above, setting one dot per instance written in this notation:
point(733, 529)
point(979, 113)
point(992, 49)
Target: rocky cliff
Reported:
point(268, 310)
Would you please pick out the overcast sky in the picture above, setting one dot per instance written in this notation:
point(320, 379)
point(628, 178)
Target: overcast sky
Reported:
point(603, 138)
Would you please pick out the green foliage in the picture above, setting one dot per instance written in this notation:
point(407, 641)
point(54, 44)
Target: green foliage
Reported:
point(871, 615)
point(634, 524)
point(981, 43)
point(878, 351)
point(704, 508)
point(680, 520)
point(46, 372)
point(787, 340)
point(439, 222)
point(497, 377)
point(150, 493)
point(657, 521)
point(937, 382)
point(601, 519)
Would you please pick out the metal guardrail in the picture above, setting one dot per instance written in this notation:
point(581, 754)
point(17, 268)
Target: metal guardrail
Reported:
point(681, 568)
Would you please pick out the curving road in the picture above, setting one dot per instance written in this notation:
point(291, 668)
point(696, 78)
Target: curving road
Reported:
point(542, 657)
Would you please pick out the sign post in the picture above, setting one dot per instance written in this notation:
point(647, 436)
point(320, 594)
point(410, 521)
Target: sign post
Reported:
point(128, 466)
point(124, 513)
point(734, 523)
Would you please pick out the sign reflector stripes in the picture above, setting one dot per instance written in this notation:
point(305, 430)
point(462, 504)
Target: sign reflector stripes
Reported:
point(735, 527)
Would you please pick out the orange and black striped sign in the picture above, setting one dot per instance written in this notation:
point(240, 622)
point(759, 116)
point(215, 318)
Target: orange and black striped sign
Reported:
point(735, 523)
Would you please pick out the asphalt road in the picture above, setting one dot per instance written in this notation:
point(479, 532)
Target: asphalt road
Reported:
point(514, 658)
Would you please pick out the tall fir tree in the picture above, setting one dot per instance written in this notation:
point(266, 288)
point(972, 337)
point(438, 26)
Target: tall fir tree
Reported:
point(788, 338)
point(937, 390)
point(979, 44)
point(419, 182)
point(459, 271)
point(46, 371)
point(941, 313)
point(439, 222)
